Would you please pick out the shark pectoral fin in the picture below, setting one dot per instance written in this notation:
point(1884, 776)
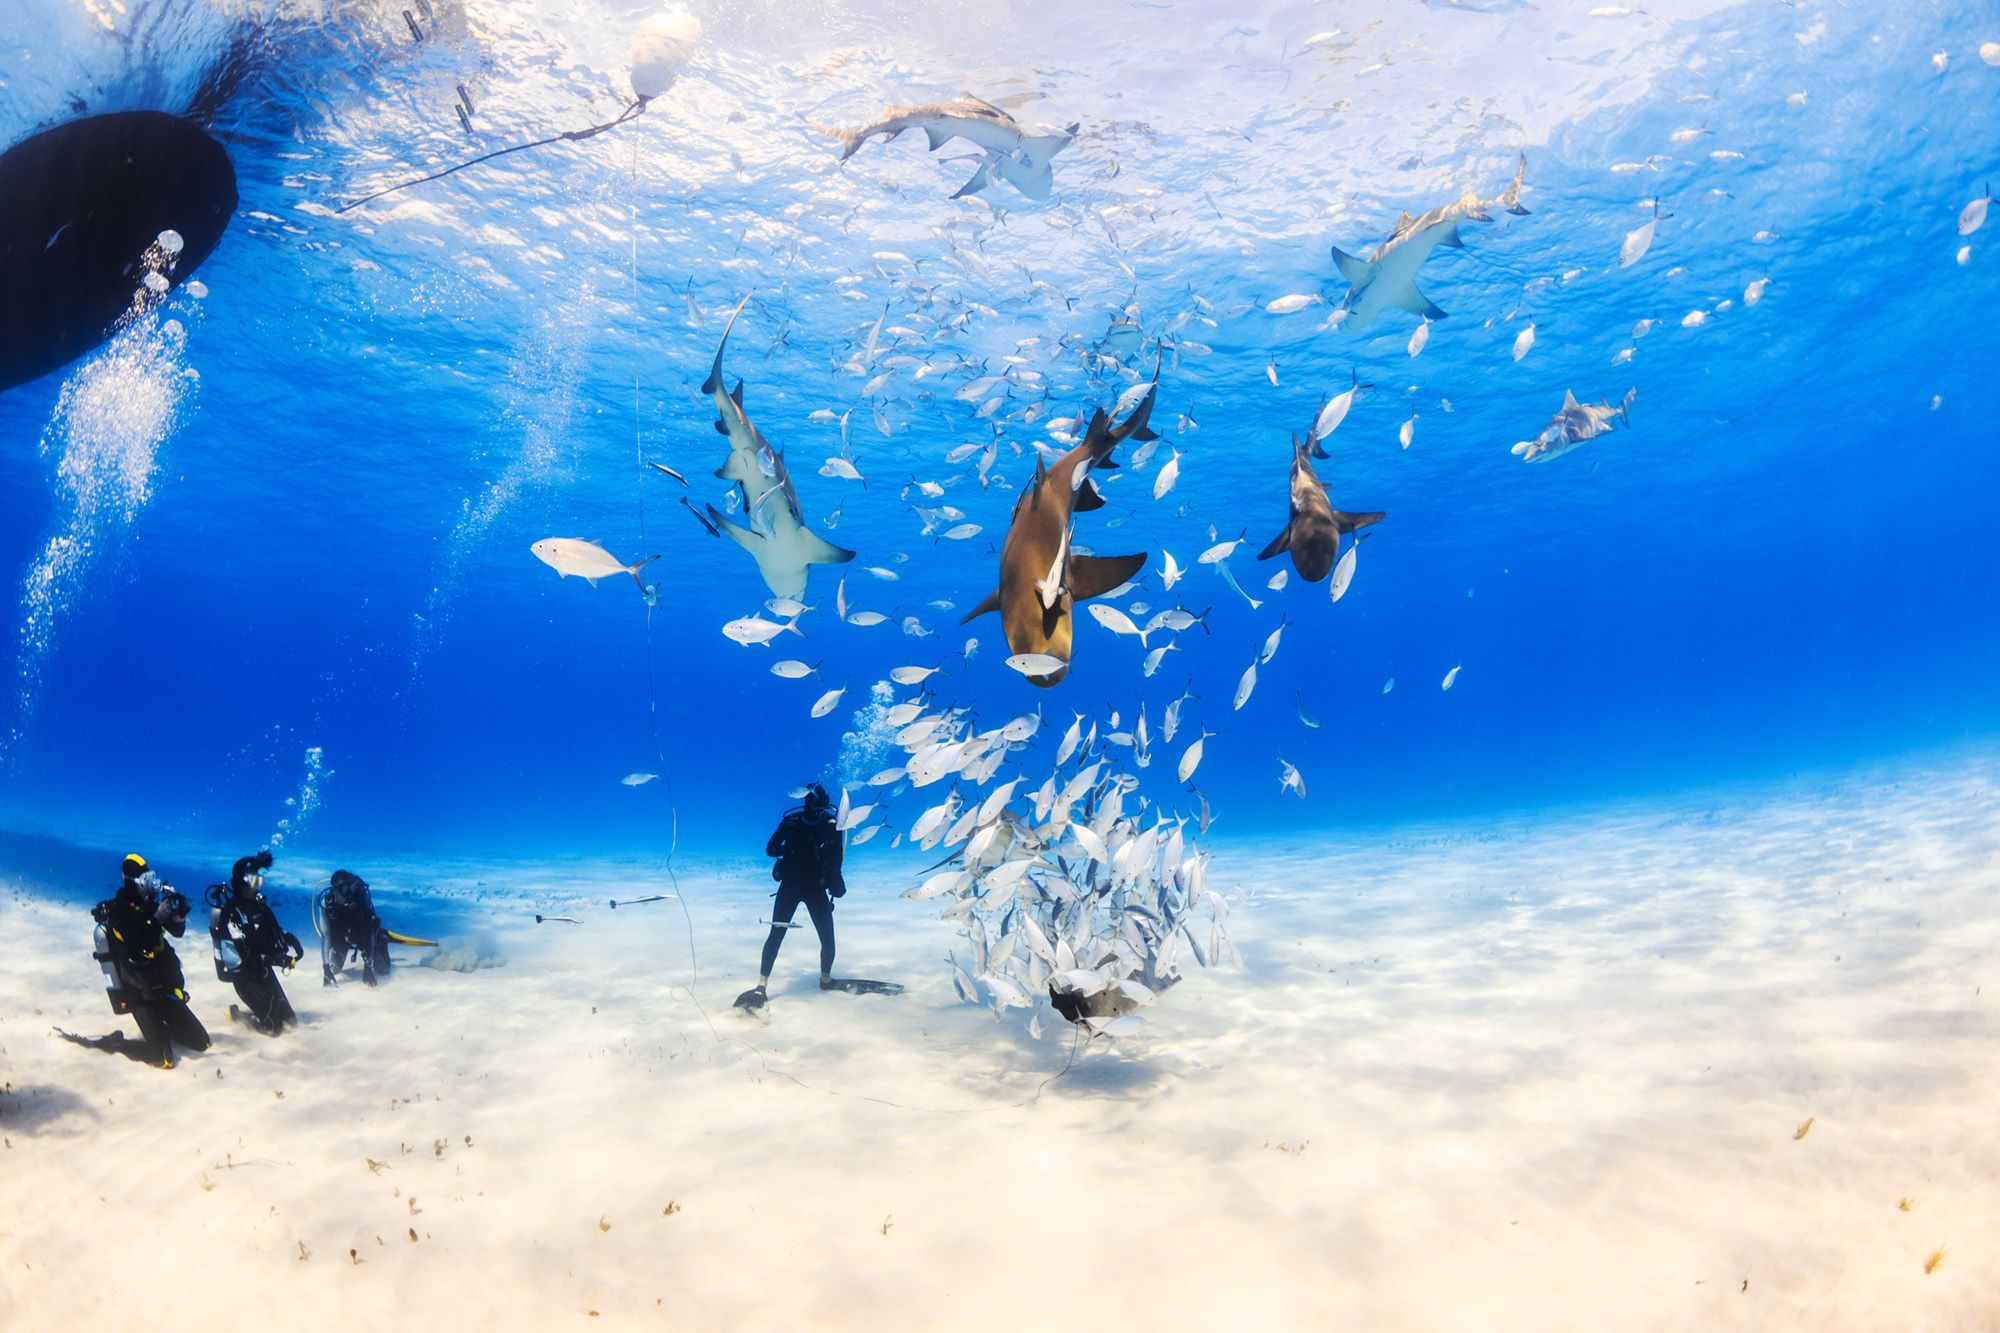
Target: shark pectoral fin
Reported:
point(1086, 499)
point(1041, 147)
point(978, 181)
point(735, 531)
point(1452, 238)
point(1351, 267)
point(1354, 522)
point(1095, 575)
point(1417, 303)
point(721, 426)
point(992, 603)
point(1480, 216)
point(1279, 544)
point(820, 551)
point(937, 137)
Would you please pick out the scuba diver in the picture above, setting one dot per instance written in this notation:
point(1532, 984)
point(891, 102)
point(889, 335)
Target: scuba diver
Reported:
point(250, 945)
point(142, 973)
point(345, 914)
point(809, 851)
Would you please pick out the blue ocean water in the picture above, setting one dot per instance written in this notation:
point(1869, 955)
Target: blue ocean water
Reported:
point(270, 575)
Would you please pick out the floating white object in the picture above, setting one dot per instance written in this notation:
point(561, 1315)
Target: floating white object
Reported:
point(1449, 677)
point(1990, 52)
point(663, 43)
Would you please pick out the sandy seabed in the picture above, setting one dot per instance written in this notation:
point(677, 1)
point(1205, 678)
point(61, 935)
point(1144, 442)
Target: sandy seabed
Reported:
point(1535, 1074)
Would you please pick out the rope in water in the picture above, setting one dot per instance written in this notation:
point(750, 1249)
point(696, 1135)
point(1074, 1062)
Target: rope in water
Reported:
point(573, 136)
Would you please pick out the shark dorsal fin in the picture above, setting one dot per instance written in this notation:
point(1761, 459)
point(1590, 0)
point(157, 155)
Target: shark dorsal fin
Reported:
point(1569, 401)
point(736, 395)
point(1403, 221)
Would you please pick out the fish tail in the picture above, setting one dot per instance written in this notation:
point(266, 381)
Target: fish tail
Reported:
point(633, 570)
point(850, 140)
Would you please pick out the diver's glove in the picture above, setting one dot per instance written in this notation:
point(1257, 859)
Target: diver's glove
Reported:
point(838, 888)
point(294, 948)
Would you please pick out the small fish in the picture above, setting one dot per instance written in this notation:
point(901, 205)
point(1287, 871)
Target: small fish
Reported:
point(961, 531)
point(1343, 573)
point(1523, 341)
point(786, 608)
point(912, 675)
point(1271, 644)
point(1973, 216)
point(1449, 677)
point(1171, 573)
point(888, 575)
point(1191, 757)
point(793, 670)
point(1638, 241)
point(1306, 717)
point(1245, 684)
point(1407, 431)
point(1419, 337)
point(1937, 1255)
point(755, 629)
point(1290, 779)
point(1168, 475)
point(1229, 577)
point(638, 779)
point(1116, 621)
point(663, 468)
point(588, 561)
point(1036, 664)
point(825, 703)
point(864, 619)
point(840, 467)
point(1335, 409)
point(1277, 581)
point(1152, 662)
point(1388, 684)
point(1218, 552)
point(1803, 1129)
point(569, 920)
point(1755, 291)
point(1287, 305)
point(1271, 373)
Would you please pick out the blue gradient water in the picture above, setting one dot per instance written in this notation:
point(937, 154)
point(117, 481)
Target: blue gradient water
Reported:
point(1784, 564)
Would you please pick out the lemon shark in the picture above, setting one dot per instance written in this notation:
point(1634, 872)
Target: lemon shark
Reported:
point(1015, 156)
point(1041, 577)
point(777, 538)
point(1388, 278)
point(1313, 531)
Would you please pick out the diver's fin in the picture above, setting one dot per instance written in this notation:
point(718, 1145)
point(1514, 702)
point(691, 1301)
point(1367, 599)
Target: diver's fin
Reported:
point(412, 940)
point(991, 603)
point(1417, 303)
point(1095, 575)
point(1279, 544)
point(1353, 522)
point(1086, 499)
point(1354, 269)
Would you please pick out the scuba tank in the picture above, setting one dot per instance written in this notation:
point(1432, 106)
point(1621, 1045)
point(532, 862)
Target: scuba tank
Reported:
point(114, 991)
point(228, 960)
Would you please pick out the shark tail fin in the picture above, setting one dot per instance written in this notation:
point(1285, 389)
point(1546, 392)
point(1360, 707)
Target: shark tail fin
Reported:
point(1135, 426)
point(1510, 198)
point(1352, 267)
point(849, 140)
point(1355, 522)
point(1625, 405)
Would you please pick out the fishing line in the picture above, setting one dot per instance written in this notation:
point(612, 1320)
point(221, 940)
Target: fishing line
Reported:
point(574, 136)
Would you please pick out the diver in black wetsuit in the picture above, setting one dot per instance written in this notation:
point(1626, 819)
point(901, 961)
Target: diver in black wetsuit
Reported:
point(349, 924)
point(142, 972)
point(250, 945)
point(809, 851)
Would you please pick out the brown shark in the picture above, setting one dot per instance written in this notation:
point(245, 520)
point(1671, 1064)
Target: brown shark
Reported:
point(1041, 578)
point(1312, 533)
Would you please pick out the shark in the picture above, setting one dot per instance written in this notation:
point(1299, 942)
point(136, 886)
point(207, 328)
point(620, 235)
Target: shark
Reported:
point(1313, 530)
point(1574, 424)
point(777, 538)
point(1388, 278)
point(1042, 577)
point(1011, 153)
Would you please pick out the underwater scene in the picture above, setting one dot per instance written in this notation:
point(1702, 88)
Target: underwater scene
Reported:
point(706, 665)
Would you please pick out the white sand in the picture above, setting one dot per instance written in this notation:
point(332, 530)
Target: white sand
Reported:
point(1543, 1076)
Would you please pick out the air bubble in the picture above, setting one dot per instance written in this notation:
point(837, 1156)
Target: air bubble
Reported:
point(170, 241)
